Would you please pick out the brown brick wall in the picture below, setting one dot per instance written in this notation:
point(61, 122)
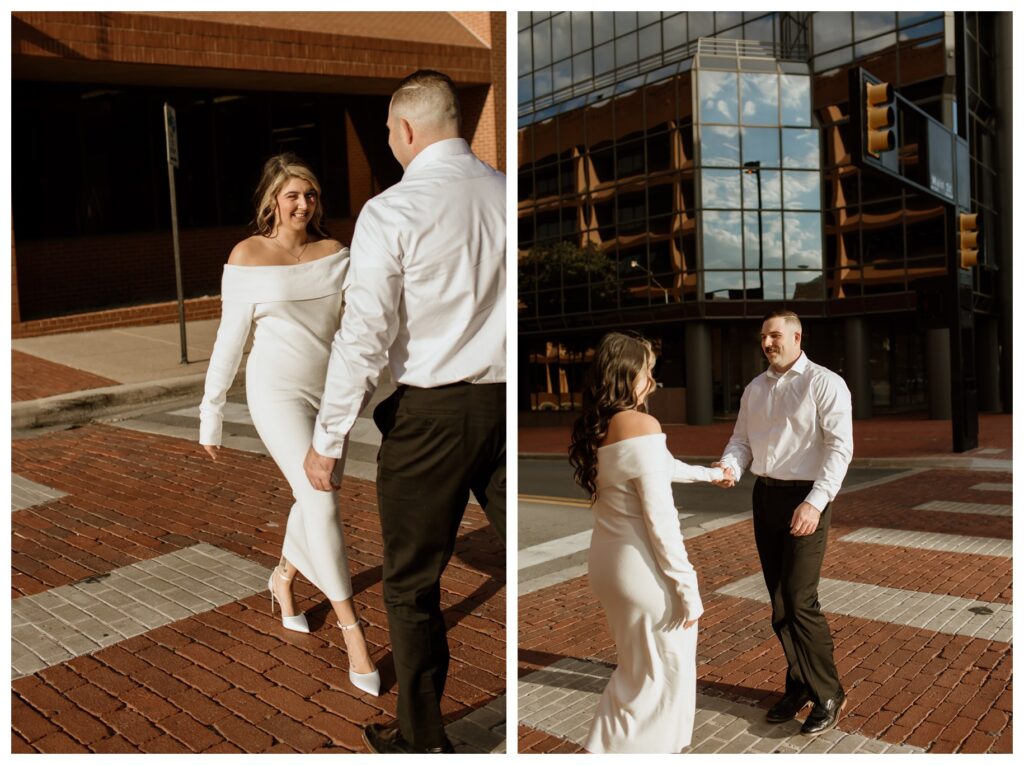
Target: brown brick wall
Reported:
point(498, 64)
point(360, 176)
point(187, 42)
point(96, 272)
point(136, 316)
point(143, 261)
point(477, 22)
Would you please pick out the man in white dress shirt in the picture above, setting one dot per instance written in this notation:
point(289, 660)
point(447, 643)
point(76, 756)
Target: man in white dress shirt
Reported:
point(795, 432)
point(427, 297)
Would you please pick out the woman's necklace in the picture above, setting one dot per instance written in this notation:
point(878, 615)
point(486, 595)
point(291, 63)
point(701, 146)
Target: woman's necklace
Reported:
point(290, 253)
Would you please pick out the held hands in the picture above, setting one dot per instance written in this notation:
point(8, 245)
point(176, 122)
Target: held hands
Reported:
point(730, 477)
point(320, 471)
point(805, 520)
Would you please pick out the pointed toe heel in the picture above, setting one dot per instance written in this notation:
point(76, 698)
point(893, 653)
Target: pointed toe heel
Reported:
point(295, 623)
point(367, 682)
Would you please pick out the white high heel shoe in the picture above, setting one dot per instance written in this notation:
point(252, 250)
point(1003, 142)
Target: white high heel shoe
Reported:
point(295, 623)
point(369, 682)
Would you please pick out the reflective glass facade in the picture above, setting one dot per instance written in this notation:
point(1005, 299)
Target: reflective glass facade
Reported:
point(696, 167)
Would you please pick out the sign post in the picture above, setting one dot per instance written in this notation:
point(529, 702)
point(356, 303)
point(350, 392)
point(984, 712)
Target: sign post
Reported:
point(171, 132)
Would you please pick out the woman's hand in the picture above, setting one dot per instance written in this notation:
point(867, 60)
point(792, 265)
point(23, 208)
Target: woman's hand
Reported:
point(687, 625)
point(212, 451)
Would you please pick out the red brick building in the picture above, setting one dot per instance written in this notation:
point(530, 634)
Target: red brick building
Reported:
point(91, 214)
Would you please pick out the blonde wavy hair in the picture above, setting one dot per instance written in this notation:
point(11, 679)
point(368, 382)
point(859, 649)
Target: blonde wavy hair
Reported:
point(277, 171)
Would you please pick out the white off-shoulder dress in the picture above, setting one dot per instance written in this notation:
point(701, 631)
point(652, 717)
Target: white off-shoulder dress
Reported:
point(640, 572)
point(296, 310)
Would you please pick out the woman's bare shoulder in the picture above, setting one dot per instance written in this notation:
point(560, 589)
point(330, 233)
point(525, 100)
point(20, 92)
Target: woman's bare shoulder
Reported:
point(251, 251)
point(630, 424)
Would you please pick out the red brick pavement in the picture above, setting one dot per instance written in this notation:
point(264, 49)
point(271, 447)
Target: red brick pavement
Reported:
point(230, 679)
point(942, 692)
point(33, 377)
point(907, 435)
point(536, 742)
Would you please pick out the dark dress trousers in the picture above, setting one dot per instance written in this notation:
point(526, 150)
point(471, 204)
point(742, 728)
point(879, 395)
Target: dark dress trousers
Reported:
point(439, 445)
point(792, 569)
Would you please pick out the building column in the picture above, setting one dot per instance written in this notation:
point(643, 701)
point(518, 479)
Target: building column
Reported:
point(940, 404)
point(986, 349)
point(698, 374)
point(858, 369)
point(1004, 184)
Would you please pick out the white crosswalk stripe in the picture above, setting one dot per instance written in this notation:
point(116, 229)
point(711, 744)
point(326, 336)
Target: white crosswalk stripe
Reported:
point(993, 487)
point(75, 619)
point(968, 508)
point(26, 493)
point(927, 540)
point(941, 613)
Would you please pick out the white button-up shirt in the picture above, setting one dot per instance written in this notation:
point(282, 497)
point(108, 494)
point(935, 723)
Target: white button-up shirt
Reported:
point(797, 426)
point(426, 290)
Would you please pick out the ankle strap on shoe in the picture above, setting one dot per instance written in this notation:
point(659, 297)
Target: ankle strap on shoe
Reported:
point(352, 626)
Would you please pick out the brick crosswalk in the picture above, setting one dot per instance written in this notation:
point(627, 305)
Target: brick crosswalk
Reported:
point(140, 621)
point(917, 588)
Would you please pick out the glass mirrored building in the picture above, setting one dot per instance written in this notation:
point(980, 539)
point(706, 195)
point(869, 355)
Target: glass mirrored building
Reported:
point(684, 174)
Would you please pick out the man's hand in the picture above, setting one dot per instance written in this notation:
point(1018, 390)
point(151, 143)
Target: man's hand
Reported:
point(805, 520)
point(320, 471)
point(730, 477)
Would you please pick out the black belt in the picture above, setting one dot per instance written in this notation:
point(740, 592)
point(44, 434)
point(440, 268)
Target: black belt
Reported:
point(776, 482)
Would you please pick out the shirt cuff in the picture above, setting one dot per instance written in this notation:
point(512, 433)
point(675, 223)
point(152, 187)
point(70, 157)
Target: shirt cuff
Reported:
point(211, 430)
point(732, 462)
point(817, 499)
point(327, 444)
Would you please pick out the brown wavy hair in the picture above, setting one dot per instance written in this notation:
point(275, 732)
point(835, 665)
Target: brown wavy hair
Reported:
point(608, 389)
point(277, 171)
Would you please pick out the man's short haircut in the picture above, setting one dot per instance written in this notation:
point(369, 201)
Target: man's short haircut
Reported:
point(428, 98)
point(789, 316)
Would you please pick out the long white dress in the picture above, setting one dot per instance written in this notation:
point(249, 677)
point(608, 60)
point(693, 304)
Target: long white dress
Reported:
point(640, 572)
point(296, 310)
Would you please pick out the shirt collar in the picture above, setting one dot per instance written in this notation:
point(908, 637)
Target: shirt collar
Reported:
point(446, 147)
point(798, 366)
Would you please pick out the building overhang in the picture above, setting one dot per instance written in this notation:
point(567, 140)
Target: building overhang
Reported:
point(153, 49)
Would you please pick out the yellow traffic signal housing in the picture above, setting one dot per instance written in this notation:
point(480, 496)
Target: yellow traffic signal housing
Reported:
point(969, 238)
point(880, 118)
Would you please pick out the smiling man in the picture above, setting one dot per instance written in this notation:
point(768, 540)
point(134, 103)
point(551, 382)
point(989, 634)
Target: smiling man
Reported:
point(795, 432)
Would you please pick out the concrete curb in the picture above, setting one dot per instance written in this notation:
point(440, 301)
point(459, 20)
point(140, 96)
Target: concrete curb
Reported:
point(87, 405)
point(894, 463)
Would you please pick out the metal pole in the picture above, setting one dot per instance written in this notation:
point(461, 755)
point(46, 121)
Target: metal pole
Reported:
point(177, 264)
point(760, 236)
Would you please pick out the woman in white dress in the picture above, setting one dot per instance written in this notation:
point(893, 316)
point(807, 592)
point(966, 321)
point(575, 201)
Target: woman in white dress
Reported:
point(287, 279)
point(638, 566)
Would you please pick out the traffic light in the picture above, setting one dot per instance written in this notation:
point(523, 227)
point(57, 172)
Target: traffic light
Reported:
point(880, 117)
point(969, 237)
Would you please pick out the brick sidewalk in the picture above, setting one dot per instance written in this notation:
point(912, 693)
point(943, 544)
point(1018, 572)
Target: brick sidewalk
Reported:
point(225, 678)
point(911, 435)
point(33, 377)
point(941, 690)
